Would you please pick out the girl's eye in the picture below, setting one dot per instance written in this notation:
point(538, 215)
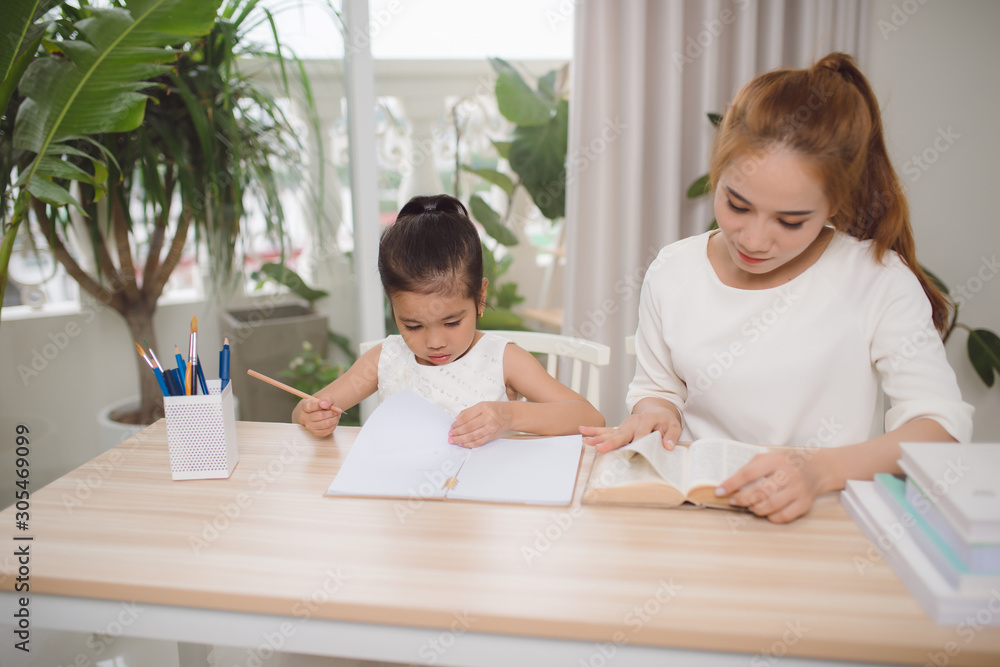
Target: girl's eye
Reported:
point(453, 324)
point(413, 327)
point(736, 208)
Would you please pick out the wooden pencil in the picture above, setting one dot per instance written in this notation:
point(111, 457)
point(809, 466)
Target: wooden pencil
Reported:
point(282, 385)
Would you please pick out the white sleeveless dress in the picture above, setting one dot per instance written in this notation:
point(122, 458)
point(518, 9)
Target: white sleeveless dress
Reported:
point(476, 377)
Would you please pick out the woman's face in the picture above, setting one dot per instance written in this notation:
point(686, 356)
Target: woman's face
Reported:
point(770, 208)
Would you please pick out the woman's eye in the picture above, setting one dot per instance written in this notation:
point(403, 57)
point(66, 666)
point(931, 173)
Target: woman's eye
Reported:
point(736, 208)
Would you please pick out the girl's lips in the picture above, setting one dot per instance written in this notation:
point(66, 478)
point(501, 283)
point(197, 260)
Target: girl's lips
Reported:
point(751, 260)
point(439, 358)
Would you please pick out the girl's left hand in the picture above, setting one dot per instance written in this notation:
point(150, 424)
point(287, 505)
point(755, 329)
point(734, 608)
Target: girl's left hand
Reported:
point(776, 485)
point(481, 423)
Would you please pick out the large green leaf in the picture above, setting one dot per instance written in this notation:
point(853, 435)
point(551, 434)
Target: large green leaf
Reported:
point(503, 148)
point(493, 176)
point(293, 281)
point(984, 353)
point(96, 86)
point(538, 155)
point(518, 101)
point(699, 188)
point(491, 222)
point(22, 34)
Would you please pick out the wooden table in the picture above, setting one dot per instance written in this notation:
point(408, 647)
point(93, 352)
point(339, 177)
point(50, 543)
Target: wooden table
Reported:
point(264, 560)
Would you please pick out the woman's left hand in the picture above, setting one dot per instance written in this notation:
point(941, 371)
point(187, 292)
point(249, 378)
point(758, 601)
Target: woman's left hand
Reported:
point(776, 485)
point(481, 423)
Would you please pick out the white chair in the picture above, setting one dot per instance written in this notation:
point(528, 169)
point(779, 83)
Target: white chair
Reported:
point(630, 345)
point(554, 346)
point(578, 350)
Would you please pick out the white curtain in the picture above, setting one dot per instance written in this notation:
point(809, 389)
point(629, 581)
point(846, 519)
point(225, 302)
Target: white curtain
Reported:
point(645, 74)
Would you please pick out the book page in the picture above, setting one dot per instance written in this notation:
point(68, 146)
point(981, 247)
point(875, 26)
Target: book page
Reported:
point(640, 473)
point(401, 452)
point(537, 471)
point(713, 460)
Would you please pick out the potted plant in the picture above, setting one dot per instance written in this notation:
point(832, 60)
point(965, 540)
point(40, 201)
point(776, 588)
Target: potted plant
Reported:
point(138, 118)
point(266, 337)
point(536, 153)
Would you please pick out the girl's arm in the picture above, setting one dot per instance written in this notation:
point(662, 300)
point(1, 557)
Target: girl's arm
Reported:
point(552, 408)
point(783, 485)
point(359, 382)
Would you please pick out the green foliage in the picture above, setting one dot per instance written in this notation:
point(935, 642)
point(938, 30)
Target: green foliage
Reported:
point(309, 372)
point(536, 152)
point(283, 275)
point(537, 149)
point(984, 354)
point(142, 100)
point(491, 221)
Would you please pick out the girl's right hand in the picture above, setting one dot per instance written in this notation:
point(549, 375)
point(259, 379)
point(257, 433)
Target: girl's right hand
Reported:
point(316, 416)
point(666, 421)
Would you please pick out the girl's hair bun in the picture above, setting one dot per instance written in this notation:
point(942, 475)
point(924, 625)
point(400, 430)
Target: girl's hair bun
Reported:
point(432, 204)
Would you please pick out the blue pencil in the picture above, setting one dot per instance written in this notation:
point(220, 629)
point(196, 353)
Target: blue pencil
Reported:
point(156, 371)
point(201, 378)
point(180, 362)
point(172, 385)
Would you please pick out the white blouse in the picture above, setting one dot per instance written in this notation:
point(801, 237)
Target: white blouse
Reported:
point(477, 376)
point(798, 364)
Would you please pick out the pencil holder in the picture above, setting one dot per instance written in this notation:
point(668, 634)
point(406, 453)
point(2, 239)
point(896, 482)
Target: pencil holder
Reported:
point(201, 433)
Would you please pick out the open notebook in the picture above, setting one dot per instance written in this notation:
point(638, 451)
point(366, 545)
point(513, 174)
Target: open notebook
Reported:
point(403, 452)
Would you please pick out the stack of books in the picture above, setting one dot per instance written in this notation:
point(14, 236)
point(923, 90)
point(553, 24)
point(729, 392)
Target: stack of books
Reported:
point(939, 527)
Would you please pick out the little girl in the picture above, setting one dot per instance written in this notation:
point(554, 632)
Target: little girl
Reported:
point(777, 328)
point(431, 265)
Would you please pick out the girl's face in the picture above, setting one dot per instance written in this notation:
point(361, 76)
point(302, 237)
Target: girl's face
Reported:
point(438, 328)
point(770, 209)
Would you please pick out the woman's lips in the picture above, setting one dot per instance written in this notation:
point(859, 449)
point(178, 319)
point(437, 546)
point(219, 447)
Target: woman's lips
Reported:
point(751, 260)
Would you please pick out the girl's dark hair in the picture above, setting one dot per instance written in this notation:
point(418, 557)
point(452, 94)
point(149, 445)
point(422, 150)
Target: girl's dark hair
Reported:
point(828, 113)
point(432, 248)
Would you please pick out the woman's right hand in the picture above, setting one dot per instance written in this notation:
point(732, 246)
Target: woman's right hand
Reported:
point(316, 415)
point(643, 421)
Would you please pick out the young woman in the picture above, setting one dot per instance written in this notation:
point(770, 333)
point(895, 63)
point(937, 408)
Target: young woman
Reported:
point(778, 328)
point(431, 266)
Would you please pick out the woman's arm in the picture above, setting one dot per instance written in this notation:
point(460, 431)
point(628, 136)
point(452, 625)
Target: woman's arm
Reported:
point(782, 485)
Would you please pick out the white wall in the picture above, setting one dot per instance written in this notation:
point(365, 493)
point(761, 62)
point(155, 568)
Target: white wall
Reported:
point(933, 66)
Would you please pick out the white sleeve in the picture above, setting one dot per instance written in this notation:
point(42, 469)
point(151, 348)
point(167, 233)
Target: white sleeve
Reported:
point(910, 358)
point(654, 369)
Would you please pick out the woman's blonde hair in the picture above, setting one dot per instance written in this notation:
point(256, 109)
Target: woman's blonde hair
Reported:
point(829, 115)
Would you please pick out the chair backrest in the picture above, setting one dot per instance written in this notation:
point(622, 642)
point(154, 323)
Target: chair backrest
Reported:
point(578, 350)
point(554, 346)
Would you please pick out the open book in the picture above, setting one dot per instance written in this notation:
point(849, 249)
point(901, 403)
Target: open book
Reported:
point(644, 473)
point(403, 452)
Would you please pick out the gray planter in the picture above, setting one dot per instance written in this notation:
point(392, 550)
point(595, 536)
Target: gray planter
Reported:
point(265, 339)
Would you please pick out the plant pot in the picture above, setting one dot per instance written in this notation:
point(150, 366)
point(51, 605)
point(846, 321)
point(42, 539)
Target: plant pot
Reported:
point(265, 339)
point(111, 433)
